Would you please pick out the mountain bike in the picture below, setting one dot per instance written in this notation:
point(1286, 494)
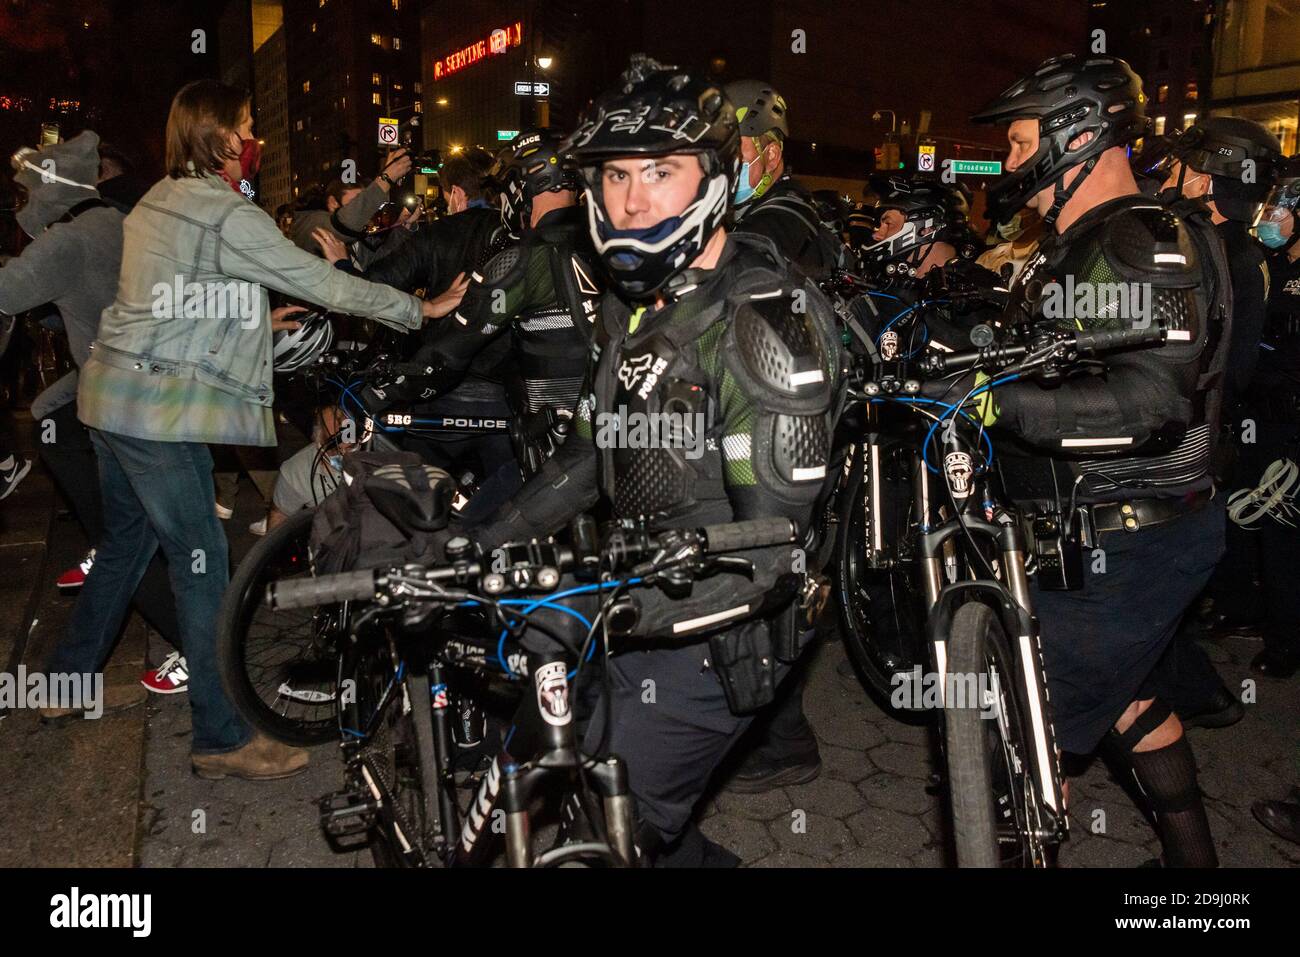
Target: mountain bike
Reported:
point(928, 510)
point(425, 639)
point(280, 665)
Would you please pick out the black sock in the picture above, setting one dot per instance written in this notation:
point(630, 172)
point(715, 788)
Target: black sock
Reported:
point(1167, 777)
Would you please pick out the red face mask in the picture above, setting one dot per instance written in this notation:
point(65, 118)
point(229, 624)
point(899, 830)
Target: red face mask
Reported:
point(250, 161)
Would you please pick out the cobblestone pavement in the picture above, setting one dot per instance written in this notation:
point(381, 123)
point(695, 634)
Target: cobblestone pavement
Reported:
point(871, 807)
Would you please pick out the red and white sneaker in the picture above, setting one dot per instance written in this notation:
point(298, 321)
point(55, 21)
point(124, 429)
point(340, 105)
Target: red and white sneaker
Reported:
point(75, 577)
point(170, 677)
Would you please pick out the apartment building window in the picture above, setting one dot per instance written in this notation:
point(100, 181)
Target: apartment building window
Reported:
point(397, 86)
point(1189, 120)
point(419, 107)
point(376, 39)
point(1162, 93)
point(375, 99)
point(313, 28)
point(416, 85)
point(397, 5)
point(306, 86)
point(376, 79)
point(1159, 129)
point(1191, 92)
point(298, 126)
point(397, 43)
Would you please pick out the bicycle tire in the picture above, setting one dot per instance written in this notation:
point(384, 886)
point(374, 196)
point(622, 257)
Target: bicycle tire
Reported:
point(299, 722)
point(864, 593)
point(385, 761)
point(987, 784)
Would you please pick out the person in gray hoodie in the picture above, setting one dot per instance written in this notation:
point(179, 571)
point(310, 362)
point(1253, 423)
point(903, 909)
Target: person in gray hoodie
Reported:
point(73, 262)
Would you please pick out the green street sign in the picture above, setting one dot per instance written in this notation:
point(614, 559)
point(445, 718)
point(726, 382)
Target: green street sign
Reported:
point(507, 134)
point(977, 167)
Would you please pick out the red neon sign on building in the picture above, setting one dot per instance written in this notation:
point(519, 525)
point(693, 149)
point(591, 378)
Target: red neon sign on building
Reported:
point(498, 41)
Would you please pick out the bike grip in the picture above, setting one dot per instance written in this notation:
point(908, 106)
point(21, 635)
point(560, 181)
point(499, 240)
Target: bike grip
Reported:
point(753, 533)
point(321, 590)
point(1115, 339)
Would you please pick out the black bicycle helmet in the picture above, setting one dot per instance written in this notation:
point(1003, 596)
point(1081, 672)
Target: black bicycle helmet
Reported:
point(1068, 95)
point(658, 110)
point(932, 212)
point(530, 165)
point(1239, 154)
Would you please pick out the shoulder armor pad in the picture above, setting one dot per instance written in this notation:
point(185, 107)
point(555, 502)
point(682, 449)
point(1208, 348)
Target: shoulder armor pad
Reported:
point(779, 349)
point(1148, 243)
point(501, 267)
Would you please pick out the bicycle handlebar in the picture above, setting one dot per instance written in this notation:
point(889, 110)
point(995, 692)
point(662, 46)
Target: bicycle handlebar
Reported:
point(1066, 344)
point(369, 584)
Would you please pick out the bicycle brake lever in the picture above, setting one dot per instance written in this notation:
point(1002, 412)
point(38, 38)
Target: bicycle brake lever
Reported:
point(742, 566)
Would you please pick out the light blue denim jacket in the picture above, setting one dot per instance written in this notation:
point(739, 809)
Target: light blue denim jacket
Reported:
point(195, 236)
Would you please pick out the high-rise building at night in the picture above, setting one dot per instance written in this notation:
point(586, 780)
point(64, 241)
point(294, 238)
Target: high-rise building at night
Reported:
point(270, 96)
point(1257, 65)
point(347, 63)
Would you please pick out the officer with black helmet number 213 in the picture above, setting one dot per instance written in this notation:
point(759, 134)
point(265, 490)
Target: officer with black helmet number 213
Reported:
point(1122, 458)
point(709, 399)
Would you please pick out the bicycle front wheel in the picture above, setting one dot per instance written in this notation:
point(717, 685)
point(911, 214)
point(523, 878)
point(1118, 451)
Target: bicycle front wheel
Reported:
point(279, 666)
point(992, 797)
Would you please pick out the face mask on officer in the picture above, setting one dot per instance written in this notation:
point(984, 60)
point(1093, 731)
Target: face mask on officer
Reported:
point(1011, 228)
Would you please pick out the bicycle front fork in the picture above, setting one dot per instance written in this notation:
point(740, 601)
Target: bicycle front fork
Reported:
point(544, 727)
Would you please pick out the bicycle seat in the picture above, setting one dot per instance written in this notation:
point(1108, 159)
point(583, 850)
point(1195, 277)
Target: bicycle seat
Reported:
point(414, 498)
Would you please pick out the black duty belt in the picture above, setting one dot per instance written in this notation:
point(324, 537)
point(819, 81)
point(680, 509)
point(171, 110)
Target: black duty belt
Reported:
point(1135, 514)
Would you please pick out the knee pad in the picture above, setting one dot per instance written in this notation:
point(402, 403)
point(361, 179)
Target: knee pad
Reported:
point(1167, 776)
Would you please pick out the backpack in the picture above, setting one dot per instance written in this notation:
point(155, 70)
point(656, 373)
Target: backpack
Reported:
point(349, 531)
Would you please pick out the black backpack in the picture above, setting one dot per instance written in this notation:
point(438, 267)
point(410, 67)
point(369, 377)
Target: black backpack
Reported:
point(366, 521)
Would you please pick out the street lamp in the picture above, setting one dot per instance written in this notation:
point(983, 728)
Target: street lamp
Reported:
point(544, 62)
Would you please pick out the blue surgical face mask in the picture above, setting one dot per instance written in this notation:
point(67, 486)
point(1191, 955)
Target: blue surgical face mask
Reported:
point(1270, 234)
point(743, 190)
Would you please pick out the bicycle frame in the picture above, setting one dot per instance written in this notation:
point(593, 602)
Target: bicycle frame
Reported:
point(542, 746)
point(985, 519)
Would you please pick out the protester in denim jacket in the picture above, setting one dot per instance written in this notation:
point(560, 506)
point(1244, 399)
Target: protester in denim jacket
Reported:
point(182, 359)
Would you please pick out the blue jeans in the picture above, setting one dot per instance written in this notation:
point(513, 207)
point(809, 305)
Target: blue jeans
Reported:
point(158, 494)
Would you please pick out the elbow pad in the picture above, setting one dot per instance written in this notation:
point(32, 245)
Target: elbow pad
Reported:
point(779, 431)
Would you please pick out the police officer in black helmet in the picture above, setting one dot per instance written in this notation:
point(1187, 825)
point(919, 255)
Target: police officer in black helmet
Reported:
point(781, 748)
point(1132, 443)
point(768, 201)
point(526, 316)
point(719, 329)
point(1228, 163)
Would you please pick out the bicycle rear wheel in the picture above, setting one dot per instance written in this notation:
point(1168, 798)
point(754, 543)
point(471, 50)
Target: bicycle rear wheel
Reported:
point(279, 666)
point(992, 796)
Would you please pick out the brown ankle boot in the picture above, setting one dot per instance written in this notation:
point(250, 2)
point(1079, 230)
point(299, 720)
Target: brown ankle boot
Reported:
point(116, 698)
point(262, 759)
